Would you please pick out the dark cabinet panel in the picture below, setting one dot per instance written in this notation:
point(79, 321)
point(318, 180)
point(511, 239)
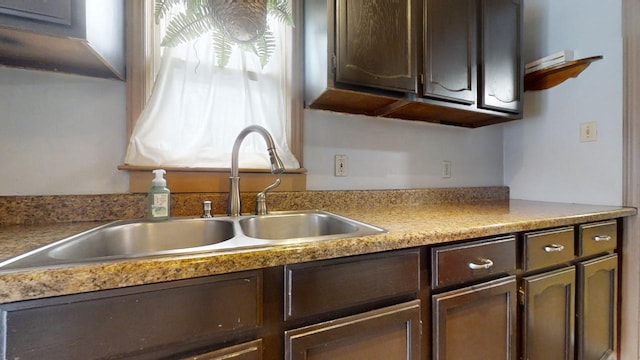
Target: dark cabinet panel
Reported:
point(597, 238)
point(548, 315)
point(597, 308)
point(476, 322)
point(376, 43)
point(53, 17)
point(320, 287)
point(247, 351)
point(454, 62)
point(501, 69)
point(52, 11)
point(134, 322)
point(547, 248)
point(460, 263)
point(449, 50)
point(388, 333)
point(70, 36)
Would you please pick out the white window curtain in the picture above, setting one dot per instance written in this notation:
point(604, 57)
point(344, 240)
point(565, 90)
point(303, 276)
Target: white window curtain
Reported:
point(197, 108)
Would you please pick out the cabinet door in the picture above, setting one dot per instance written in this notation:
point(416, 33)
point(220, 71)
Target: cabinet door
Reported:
point(549, 312)
point(141, 322)
point(53, 17)
point(248, 351)
point(500, 65)
point(449, 51)
point(53, 11)
point(596, 306)
point(476, 322)
point(389, 333)
point(376, 44)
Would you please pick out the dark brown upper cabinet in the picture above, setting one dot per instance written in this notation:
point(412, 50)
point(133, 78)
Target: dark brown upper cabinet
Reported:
point(69, 36)
point(365, 25)
point(455, 62)
point(449, 51)
point(500, 70)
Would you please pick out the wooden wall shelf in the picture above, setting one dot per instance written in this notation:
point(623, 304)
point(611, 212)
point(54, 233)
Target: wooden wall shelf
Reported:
point(547, 78)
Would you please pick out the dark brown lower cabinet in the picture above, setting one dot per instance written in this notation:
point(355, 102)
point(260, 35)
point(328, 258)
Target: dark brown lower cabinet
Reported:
point(142, 322)
point(388, 333)
point(248, 351)
point(548, 315)
point(476, 322)
point(596, 306)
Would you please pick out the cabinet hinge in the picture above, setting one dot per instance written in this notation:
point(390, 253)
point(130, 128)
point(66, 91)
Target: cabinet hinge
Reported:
point(334, 62)
point(521, 296)
point(421, 80)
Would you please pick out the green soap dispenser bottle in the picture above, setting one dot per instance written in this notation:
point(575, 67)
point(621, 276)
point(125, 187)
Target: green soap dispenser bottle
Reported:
point(159, 200)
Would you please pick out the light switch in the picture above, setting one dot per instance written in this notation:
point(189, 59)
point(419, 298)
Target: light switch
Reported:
point(589, 131)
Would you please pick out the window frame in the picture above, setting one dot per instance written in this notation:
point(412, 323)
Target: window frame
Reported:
point(142, 61)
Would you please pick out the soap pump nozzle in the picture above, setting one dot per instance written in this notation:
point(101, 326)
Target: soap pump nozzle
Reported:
point(159, 179)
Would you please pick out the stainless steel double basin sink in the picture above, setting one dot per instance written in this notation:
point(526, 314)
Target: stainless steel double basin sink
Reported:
point(128, 239)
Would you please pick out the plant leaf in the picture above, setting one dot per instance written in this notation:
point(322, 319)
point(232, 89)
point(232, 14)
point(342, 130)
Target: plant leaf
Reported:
point(195, 5)
point(279, 10)
point(264, 46)
point(222, 47)
point(162, 7)
point(187, 26)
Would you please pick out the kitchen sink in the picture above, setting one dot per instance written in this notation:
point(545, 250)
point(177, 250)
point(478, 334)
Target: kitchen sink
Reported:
point(146, 237)
point(300, 225)
point(127, 239)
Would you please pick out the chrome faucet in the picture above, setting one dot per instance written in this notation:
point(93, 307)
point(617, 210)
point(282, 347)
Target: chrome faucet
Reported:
point(277, 167)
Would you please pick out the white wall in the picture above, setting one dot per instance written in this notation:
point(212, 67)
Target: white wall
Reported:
point(65, 134)
point(543, 156)
point(395, 154)
point(60, 134)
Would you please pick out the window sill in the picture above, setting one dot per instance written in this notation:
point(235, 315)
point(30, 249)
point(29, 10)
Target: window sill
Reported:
point(195, 180)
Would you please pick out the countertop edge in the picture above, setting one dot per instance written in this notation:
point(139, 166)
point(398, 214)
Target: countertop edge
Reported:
point(47, 282)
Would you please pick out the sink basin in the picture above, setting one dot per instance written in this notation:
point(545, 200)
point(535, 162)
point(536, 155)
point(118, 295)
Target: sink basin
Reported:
point(139, 238)
point(127, 239)
point(142, 238)
point(302, 225)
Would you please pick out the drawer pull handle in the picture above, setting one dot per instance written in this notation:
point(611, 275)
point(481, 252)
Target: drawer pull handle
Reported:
point(602, 238)
point(485, 264)
point(554, 248)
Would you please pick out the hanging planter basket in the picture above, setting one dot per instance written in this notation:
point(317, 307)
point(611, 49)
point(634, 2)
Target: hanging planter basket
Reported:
point(242, 21)
point(239, 22)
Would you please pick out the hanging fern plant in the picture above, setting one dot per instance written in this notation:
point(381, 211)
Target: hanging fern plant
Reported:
point(242, 23)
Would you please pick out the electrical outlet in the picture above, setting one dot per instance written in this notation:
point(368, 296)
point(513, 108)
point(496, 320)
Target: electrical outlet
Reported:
point(341, 165)
point(589, 131)
point(446, 169)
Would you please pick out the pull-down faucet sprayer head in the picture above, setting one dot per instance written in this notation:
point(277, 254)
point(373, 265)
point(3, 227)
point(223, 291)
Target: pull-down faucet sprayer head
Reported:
point(277, 167)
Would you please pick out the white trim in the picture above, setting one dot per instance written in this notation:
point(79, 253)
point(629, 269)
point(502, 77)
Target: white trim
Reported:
point(630, 290)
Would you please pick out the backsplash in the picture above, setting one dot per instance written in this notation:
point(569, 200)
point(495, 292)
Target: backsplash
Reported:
point(75, 208)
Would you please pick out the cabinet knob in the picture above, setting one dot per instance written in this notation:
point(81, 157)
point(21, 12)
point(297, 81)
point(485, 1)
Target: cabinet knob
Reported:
point(484, 264)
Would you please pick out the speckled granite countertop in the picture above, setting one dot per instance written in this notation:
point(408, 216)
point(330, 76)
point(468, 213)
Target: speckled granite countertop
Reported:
point(408, 226)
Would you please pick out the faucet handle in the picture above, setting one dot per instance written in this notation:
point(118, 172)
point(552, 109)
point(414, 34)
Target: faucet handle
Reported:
point(206, 209)
point(261, 198)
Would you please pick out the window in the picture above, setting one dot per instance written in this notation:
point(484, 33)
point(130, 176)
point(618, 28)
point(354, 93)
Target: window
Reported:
point(142, 50)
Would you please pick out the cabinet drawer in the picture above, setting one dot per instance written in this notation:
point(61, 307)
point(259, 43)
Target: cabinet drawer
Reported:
point(133, 322)
point(547, 248)
point(330, 285)
point(460, 263)
point(597, 238)
point(389, 333)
